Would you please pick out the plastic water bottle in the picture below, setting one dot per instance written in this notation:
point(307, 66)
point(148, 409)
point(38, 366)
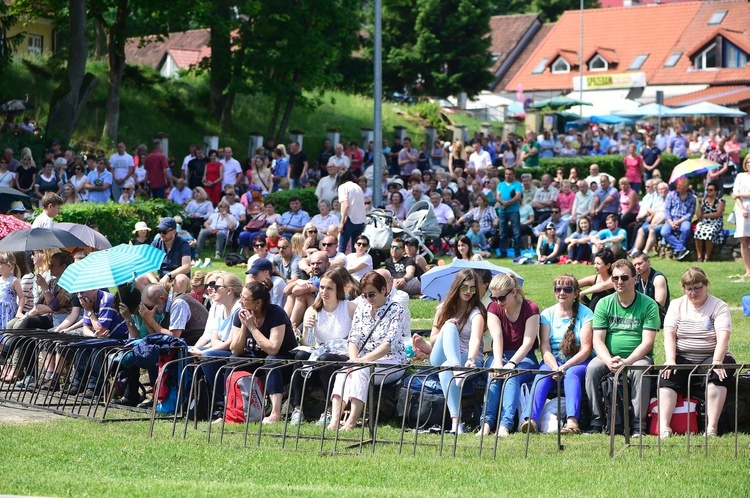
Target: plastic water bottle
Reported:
point(310, 334)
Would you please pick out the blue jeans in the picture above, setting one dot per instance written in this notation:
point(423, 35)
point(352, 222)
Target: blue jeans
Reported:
point(512, 391)
point(515, 229)
point(669, 235)
point(572, 387)
point(351, 232)
point(295, 183)
point(446, 353)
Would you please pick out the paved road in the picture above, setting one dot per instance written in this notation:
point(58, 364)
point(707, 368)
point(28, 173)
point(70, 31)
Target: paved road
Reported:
point(11, 414)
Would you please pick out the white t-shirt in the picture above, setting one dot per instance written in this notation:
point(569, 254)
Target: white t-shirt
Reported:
point(326, 188)
point(6, 178)
point(352, 193)
point(120, 165)
point(43, 221)
point(480, 160)
point(353, 260)
point(231, 169)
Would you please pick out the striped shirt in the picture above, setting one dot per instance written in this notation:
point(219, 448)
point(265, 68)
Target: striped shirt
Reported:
point(697, 328)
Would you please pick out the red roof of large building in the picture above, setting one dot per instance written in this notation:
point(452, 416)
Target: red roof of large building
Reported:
point(151, 51)
point(619, 35)
point(731, 95)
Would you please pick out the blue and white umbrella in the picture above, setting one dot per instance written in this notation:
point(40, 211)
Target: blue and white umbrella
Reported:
point(111, 267)
point(437, 281)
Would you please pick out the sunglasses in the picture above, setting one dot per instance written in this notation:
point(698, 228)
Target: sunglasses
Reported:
point(164, 232)
point(397, 247)
point(259, 245)
point(328, 244)
point(620, 278)
point(472, 290)
point(211, 285)
point(500, 299)
point(567, 289)
point(362, 244)
point(369, 295)
point(284, 247)
point(312, 231)
point(368, 203)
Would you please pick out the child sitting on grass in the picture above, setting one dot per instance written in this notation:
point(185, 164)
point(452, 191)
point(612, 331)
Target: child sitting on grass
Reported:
point(478, 240)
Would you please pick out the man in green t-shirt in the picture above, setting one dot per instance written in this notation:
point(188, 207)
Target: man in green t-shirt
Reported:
point(530, 151)
point(625, 325)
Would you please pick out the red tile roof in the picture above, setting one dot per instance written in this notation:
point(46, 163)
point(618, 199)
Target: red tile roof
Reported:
point(609, 55)
point(152, 51)
point(523, 56)
point(184, 58)
point(722, 95)
point(506, 32)
point(694, 34)
point(656, 30)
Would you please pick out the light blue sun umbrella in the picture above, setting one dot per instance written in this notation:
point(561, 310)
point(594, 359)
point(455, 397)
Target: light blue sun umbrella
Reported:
point(111, 267)
point(437, 281)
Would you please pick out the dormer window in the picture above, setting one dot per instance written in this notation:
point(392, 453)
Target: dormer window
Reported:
point(560, 66)
point(598, 63)
point(733, 56)
point(706, 59)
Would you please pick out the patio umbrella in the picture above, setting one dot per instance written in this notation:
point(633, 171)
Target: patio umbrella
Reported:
point(9, 195)
point(692, 167)
point(437, 281)
point(707, 109)
point(111, 267)
point(647, 110)
point(16, 105)
point(88, 235)
point(557, 102)
point(10, 224)
point(34, 239)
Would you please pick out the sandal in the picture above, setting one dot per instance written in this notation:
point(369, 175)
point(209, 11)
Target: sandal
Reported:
point(570, 430)
point(528, 425)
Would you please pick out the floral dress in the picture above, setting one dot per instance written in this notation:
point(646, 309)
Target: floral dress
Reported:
point(711, 229)
point(8, 302)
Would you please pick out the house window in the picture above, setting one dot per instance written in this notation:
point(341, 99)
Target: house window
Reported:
point(707, 58)
point(35, 44)
point(638, 62)
point(733, 56)
point(560, 66)
point(717, 17)
point(598, 64)
point(672, 61)
point(539, 69)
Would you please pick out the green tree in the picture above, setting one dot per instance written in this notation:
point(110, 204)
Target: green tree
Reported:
point(8, 43)
point(399, 39)
point(551, 10)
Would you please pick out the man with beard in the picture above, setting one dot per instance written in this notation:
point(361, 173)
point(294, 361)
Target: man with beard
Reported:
point(302, 293)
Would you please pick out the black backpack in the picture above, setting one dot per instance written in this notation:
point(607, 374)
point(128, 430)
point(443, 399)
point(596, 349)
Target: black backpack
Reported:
point(234, 258)
point(607, 387)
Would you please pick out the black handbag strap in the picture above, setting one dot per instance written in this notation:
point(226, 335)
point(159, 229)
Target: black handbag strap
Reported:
point(373, 328)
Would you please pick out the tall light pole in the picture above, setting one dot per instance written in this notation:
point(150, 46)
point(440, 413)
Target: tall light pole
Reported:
point(580, 67)
point(377, 163)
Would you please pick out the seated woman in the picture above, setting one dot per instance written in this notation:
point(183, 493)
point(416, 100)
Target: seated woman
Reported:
point(359, 263)
point(462, 249)
point(397, 205)
point(198, 210)
point(696, 332)
point(513, 322)
point(456, 339)
point(579, 242)
point(629, 203)
point(600, 284)
point(226, 289)
point(650, 232)
point(565, 339)
point(330, 318)
point(263, 330)
point(710, 229)
point(549, 246)
point(375, 337)
point(217, 225)
point(312, 239)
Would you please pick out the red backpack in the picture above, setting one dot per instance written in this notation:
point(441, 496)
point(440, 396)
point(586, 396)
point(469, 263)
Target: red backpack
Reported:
point(245, 399)
point(684, 409)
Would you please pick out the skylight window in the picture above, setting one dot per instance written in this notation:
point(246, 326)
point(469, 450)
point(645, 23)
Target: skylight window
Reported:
point(539, 69)
point(672, 61)
point(717, 17)
point(638, 62)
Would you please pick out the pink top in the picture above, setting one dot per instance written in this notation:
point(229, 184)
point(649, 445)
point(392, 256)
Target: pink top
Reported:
point(625, 207)
point(565, 201)
point(634, 169)
point(513, 332)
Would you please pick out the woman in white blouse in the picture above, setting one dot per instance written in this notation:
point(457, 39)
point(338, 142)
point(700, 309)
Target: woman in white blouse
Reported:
point(217, 225)
point(358, 263)
point(375, 337)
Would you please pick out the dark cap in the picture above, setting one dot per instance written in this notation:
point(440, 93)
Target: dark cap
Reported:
point(55, 142)
point(260, 264)
point(412, 241)
point(166, 223)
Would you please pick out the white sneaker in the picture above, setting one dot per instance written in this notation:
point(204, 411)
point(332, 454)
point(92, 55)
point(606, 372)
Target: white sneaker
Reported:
point(460, 378)
point(325, 419)
point(461, 429)
point(297, 417)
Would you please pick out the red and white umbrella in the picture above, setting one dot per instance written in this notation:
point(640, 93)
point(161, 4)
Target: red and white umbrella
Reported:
point(10, 224)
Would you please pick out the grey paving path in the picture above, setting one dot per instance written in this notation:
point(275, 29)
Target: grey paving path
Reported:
point(11, 414)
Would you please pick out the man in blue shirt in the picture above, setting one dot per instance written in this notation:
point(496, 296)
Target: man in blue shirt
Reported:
point(176, 265)
point(597, 150)
point(509, 194)
point(679, 207)
point(613, 237)
point(100, 183)
point(678, 144)
point(606, 202)
point(294, 220)
point(651, 154)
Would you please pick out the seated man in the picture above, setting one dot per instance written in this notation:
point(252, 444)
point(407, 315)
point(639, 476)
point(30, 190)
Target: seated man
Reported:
point(561, 225)
point(679, 208)
point(651, 282)
point(328, 245)
point(445, 217)
point(294, 220)
point(302, 293)
point(176, 265)
point(625, 325)
point(613, 237)
point(180, 194)
point(412, 250)
point(168, 313)
point(403, 269)
point(287, 261)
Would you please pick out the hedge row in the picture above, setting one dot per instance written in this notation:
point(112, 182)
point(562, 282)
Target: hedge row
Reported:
point(116, 221)
point(307, 197)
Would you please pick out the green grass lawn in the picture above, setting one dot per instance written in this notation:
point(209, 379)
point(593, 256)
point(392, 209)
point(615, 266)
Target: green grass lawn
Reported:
point(78, 457)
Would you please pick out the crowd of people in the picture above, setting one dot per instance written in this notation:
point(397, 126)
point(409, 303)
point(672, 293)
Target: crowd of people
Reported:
point(319, 273)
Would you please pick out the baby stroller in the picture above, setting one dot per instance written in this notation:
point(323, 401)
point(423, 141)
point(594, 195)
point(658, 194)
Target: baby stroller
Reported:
point(420, 223)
